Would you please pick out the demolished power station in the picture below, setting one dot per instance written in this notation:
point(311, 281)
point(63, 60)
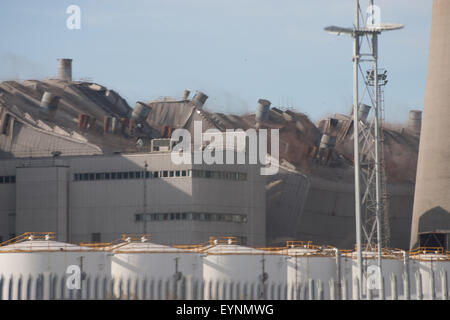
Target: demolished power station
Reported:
point(78, 160)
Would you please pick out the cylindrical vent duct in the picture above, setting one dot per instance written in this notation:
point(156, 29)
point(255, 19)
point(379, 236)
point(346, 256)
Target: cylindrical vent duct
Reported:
point(92, 123)
point(186, 94)
point(80, 121)
point(49, 103)
point(363, 111)
point(262, 110)
point(431, 199)
point(106, 124)
point(415, 121)
point(114, 123)
point(65, 69)
point(199, 99)
point(83, 121)
point(123, 124)
point(140, 112)
point(131, 126)
point(327, 141)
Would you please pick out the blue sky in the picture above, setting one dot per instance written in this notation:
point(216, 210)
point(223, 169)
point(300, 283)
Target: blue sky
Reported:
point(234, 51)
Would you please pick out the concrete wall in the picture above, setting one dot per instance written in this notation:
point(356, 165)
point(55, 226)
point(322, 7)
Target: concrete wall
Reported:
point(42, 198)
point(329, 214)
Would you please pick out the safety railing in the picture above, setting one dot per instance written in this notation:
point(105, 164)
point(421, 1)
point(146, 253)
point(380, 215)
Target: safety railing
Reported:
point(427, 250)
point(29, 236)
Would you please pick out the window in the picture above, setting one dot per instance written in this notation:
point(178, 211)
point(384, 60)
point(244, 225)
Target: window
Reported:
point(155, 174)
point(147, 174)
point(107, 175)
point(171, 173)
point(237, 218)
point(96, 237)
point(165, 173)
point(1, 179)
point(177, 173)
point(75, 177)
point(132, 175)
point(138, 217)
point(113, 175)
point(183, 173)
point(6, 179)
point(119, 175)
point(124, 175)
point(91, 176)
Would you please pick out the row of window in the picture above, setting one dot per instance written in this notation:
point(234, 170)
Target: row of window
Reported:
point(129, 175)
point(225, 175)
point(7, 179)
point(193, 216)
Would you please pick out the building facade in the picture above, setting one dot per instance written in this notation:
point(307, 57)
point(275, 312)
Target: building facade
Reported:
point(99, 197)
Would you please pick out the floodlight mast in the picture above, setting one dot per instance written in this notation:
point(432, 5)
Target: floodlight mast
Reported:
point(377, 157)
point(356, 57)
point(373, 29)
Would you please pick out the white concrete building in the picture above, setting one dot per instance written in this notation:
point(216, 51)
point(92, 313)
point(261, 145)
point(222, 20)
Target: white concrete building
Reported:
point(97, 198)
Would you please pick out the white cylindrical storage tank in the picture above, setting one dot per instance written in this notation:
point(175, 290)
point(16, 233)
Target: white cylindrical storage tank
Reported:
point(312, 265)
point(392, 264)
point(35, 254)
point(431, 268)
point(137, 258)
point(225, 262)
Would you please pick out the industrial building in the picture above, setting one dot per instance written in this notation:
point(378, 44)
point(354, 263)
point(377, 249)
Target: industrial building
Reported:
point(80, 145)
point(61, 139)
point(88, 181)
point(96, 198)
